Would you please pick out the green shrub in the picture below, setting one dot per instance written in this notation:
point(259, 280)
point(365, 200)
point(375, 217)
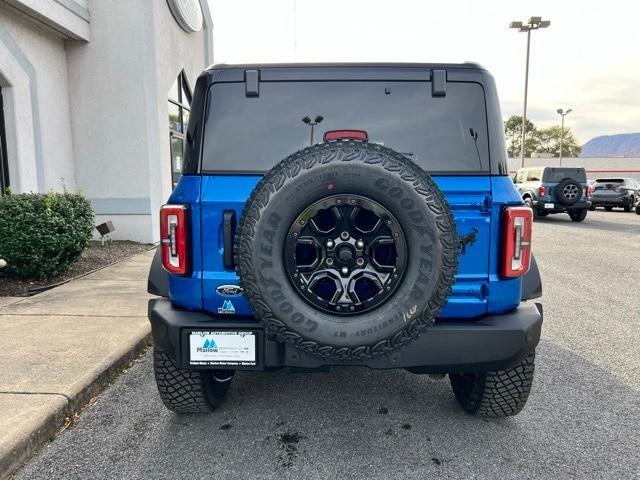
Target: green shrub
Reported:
point(42, 235)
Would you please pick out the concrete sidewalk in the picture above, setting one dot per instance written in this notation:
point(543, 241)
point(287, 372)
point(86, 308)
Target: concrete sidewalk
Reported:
point(58, 349)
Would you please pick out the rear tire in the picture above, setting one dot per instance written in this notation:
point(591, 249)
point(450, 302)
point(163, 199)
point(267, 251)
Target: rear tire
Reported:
point(608, 208)
point(529, 203)
point(578, 215)
point(638, 209)
point(627, 208)
point(189, 391)
point(495, 394)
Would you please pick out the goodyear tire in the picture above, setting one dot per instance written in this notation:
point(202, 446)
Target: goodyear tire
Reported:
point(371, 172)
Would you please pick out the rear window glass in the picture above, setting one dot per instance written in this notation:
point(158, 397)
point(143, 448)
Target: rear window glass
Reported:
point(558, 174)
point(252, 134)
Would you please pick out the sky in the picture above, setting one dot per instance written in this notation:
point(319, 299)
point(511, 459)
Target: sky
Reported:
point(587, 60)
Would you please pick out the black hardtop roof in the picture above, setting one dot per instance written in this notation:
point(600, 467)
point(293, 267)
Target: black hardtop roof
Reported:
point(253, 66)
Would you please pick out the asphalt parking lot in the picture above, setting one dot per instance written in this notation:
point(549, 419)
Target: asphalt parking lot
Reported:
point(581, 420)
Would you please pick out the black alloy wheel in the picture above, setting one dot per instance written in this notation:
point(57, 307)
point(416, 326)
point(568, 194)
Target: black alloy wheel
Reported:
point(345, 254)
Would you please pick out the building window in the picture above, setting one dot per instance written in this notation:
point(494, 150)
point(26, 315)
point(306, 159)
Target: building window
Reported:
point(4, 161)
point(179, 109)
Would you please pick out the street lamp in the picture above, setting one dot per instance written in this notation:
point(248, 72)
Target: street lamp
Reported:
point(534, 23)
point(563, 114)
point(313, 123)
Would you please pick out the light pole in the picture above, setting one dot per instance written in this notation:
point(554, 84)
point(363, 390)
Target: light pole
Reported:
point(562, 114)
point(313, 123)
point(534, 23)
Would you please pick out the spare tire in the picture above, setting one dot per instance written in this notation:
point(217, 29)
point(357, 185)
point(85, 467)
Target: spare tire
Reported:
point(568, 191)
point(347, 250)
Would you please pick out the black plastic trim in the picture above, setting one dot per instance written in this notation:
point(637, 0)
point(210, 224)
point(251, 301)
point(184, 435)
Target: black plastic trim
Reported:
point(438, 83)
point(252, 83)
point(491, 343)
point(531, 282)
point(158, 280)
point(228, 237)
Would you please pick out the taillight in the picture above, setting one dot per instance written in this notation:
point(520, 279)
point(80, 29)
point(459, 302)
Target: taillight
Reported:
point(173, 239)
point(516, 241)
point(541, 191)
point(589, 191)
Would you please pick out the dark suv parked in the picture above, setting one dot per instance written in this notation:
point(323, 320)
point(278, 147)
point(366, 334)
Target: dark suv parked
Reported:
point(554, 190)
point(346, 215)
point(613, 192)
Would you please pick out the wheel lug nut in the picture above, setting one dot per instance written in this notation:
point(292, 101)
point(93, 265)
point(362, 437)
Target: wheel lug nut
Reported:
point(360, 244)
point(329, 261)
point(344, 235)
point(360, 261)
point(329, 243)
point(344, 270)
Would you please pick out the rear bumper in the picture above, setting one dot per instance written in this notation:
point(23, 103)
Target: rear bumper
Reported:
point(494, 342)
point(558, 207)
point(614, 202)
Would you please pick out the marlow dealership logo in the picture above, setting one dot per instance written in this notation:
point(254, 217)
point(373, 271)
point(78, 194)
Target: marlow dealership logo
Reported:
point(209, 346)
point(227, 307)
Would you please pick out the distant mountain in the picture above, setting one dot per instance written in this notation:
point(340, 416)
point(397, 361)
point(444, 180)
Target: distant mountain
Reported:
point(621, 145)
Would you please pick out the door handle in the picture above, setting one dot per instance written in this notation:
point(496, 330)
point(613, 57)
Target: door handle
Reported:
point(228, 234)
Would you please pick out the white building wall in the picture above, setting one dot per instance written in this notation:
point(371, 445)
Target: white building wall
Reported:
point(85, 86)
point(69, 18)
point(174, 50)
point(120, 82)
point(35, 88)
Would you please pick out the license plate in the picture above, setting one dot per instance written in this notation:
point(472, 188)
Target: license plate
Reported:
point(549, 205)
point(222, 348)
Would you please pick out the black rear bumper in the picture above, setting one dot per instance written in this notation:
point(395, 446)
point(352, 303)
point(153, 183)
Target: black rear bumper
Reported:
point(625, 201)
point(558, 207)
point(494, 342)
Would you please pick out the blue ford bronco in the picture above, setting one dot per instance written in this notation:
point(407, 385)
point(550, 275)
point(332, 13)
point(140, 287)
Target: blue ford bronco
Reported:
point(345, 214)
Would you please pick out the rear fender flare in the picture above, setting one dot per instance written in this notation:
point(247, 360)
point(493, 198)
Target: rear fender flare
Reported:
point(531, 282)
point(158, 280)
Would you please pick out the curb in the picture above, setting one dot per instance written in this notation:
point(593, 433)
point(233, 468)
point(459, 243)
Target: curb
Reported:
point(13, 457)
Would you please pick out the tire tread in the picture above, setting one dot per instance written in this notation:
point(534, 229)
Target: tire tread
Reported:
point(496, 394)
point(186, 391)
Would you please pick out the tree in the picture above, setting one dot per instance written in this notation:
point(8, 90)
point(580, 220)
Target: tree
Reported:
point(513, 133)
point(539, 140)
point(549, 142)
